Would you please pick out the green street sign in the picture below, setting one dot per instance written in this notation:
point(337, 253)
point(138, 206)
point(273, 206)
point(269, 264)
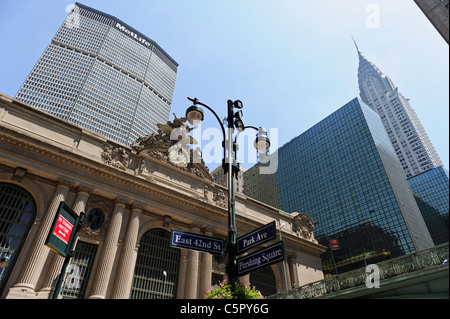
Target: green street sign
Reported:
point(63, 230)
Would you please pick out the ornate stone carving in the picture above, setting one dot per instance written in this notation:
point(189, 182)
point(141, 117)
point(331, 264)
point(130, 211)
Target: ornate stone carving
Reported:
point(303, 225)
point(171, 144)
point(116, 156)
point(93, 234)
point(168, 135)
point(220, 197)
point(167, 221)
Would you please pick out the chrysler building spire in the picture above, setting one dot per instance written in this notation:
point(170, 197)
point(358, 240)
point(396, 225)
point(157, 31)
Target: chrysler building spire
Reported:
point(411, 143)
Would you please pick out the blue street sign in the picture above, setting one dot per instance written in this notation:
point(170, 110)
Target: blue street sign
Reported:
point(193, 241)
point(257, 237)
point(264, 257)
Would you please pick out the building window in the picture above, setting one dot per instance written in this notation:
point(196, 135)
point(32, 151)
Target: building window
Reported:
point(78, 271)
point(17, 212)
point(264, 280)
point(157, 265)
point(95, 219)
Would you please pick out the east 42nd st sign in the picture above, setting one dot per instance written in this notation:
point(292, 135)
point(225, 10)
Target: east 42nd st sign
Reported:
point(193, 241)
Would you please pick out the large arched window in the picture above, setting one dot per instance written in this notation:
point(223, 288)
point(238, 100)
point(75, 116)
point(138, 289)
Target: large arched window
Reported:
point(17, 212)
point(157, 264)
point(264, 280)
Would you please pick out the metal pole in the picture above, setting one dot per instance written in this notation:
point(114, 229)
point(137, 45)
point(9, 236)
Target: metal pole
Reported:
point(231, 202)
point(68, 257)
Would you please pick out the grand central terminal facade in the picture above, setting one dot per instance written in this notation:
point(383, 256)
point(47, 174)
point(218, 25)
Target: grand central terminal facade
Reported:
point(133, 196)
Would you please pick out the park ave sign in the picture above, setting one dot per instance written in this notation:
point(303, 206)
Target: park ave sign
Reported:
point(257, 237)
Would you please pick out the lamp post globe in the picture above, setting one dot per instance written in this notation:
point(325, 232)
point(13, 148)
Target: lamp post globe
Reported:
point(194, 114)
point(262, 142)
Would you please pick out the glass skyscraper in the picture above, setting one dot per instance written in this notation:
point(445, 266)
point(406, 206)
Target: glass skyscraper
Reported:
point(411, 143)
point(431, 191)
point(103, 75)
point(344, 173)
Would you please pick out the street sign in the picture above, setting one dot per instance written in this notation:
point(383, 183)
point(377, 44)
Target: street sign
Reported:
point(334, 244)
point(257, 237)
point(264, 257)
point(63, 230)
point(180, 239)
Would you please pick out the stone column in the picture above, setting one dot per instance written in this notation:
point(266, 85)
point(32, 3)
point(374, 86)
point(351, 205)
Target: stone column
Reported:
point(292, 261)
point(182, 274)
point(286, 279)
point(191, 291)
point(54, 269)
point(206, 270)
point(127, 260)
point(108, 253)
point(29, 276)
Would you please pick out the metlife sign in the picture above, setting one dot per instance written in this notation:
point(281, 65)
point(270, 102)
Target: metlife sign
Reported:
point(133, 35)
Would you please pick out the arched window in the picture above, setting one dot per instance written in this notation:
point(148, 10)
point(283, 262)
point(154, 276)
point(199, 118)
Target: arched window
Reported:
point(17, 212)
point(264, 280)
point(157, 265)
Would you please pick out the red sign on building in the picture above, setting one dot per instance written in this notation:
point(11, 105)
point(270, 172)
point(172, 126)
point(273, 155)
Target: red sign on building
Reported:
point(63, 229)
point(334, 244)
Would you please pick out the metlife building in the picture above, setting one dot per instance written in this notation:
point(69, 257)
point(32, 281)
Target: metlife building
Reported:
point(103, 75)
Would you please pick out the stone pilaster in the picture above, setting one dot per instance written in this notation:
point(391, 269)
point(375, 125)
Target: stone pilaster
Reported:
point(206, 270)
point(108, 253)
point(127, 260)
point(292, 261)
point(56, 264)
point(191, 291)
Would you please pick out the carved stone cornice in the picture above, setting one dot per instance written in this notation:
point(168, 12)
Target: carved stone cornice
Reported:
point(116, 156)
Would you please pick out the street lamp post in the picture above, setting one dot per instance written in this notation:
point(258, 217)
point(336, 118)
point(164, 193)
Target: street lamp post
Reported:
point(165, 282)
point(194, 114)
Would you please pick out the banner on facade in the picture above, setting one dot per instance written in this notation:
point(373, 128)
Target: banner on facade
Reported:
point(63, 230)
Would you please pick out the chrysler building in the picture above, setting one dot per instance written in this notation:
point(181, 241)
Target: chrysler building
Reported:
point(411, 143)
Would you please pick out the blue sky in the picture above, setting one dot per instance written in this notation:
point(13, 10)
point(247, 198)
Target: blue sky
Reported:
point(291, 62)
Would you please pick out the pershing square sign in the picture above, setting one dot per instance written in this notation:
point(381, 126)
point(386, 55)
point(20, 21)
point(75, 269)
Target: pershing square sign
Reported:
point(264, 257)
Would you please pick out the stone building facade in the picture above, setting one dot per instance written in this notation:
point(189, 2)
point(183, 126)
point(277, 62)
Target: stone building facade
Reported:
point(133, 197)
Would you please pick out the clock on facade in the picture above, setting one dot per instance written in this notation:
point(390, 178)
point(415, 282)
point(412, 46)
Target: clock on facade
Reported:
point(178, 156)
